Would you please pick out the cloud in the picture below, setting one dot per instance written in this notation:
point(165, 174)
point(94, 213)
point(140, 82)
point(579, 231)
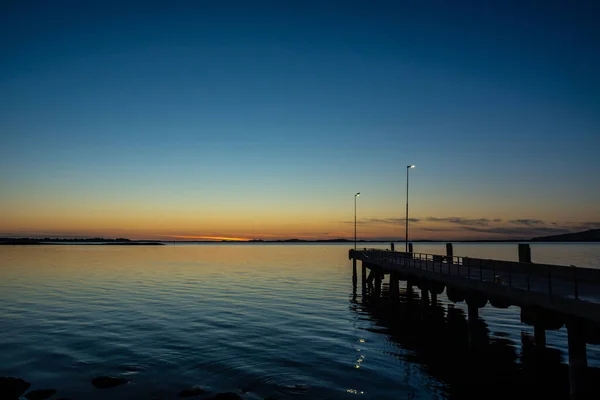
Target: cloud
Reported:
point(519, 228)
point(588, 225)
point(525, 232)
point(517, 232)
point(387, 221)
point(461, 221)
point(527, 222)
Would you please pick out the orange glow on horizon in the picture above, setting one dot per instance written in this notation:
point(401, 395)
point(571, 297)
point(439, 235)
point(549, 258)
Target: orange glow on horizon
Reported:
point(192, 237)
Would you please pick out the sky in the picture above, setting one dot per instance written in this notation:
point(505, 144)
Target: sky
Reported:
point(261, 120)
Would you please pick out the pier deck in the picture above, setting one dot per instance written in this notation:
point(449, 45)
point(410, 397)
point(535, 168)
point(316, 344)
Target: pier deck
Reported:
point(568, 290)
point(550, 296)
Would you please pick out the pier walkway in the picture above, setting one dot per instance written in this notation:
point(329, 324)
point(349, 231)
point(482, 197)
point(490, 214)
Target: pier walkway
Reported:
point(571, 290)
point(550, 296)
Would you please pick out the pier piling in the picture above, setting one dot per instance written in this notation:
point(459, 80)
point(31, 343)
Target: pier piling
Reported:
point(354, 273)
point(577, 360)
point(539, 334)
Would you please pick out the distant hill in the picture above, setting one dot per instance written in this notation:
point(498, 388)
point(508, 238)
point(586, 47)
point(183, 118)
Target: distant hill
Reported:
point(592, 235)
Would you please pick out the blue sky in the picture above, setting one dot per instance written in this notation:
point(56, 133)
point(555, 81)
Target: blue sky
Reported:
point(275, 113)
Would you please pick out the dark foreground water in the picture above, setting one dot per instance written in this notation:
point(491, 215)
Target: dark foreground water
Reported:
point(277, 321)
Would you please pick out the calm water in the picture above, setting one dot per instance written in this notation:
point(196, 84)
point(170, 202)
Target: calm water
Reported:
point(259, 320)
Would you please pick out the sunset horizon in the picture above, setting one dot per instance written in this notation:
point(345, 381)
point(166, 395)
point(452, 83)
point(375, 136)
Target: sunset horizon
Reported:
point(429, 228)
point(142, 122)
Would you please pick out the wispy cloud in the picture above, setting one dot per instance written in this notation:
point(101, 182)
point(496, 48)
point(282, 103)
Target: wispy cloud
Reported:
point(522, 228)
point(525, 232)
point(527, 222)
point(517, 232)
point(461, 220)
point(589, 225)
point(519, 228)
point(386, 221)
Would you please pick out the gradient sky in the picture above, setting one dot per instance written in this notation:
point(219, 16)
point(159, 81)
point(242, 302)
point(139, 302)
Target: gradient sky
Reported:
point(262, 119)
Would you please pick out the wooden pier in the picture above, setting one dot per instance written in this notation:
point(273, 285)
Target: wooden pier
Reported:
point(550, 296)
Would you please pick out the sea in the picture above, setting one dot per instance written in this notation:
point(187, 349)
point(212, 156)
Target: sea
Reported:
point(263, 321)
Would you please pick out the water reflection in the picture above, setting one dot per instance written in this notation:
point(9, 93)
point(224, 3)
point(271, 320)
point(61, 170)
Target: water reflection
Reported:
point(437, 340)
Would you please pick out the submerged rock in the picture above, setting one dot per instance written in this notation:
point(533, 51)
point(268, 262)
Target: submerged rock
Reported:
point(104, 382)
point(192, 392)
point(227, 396)
point(12, 388)
point(40, 394)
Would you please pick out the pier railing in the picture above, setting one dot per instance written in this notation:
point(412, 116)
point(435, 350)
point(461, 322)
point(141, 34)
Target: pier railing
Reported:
point(554, 280)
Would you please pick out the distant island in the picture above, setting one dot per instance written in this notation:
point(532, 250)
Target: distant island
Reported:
point(99, 241)
point(592, 235)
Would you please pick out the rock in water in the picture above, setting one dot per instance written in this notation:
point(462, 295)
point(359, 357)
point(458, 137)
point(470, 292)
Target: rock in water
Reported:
point(192, 392)
point(40, 394)
point(12, 388)
point(227, 396)
point(104, 382)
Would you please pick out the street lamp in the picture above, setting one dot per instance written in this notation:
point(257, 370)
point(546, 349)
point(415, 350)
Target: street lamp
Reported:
point(355, 196)
point(408, 167)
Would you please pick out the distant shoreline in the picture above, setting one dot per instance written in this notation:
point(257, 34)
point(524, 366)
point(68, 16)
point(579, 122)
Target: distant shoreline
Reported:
point(589, 236)
point(258, 242)
point(109, 242)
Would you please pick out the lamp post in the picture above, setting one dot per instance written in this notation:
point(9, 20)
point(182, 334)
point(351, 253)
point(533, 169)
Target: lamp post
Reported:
point(408, 167)
point(355, 196)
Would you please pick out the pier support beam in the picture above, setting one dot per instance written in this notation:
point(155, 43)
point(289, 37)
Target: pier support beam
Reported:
point(539, 334)
point(473, 313)
point(424, 297)
point(577, 360)
point(475, 301)
point(473, 321)
point(394, 285)
point(354, 274)
point(364, 278)
point(433, 298)
point(409, 288)
point(377, 288)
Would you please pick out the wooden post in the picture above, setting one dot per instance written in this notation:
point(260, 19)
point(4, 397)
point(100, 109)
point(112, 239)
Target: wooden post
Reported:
point(449, 253)
point(524, 253)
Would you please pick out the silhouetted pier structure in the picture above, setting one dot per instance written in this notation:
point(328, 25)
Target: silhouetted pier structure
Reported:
point(550, 296)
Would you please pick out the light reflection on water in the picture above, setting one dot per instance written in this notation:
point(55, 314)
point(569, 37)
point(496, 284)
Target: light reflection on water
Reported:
point(271, 320)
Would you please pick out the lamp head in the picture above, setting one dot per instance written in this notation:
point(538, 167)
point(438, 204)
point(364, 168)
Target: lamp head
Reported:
point(410, 166)
point(357, 194)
